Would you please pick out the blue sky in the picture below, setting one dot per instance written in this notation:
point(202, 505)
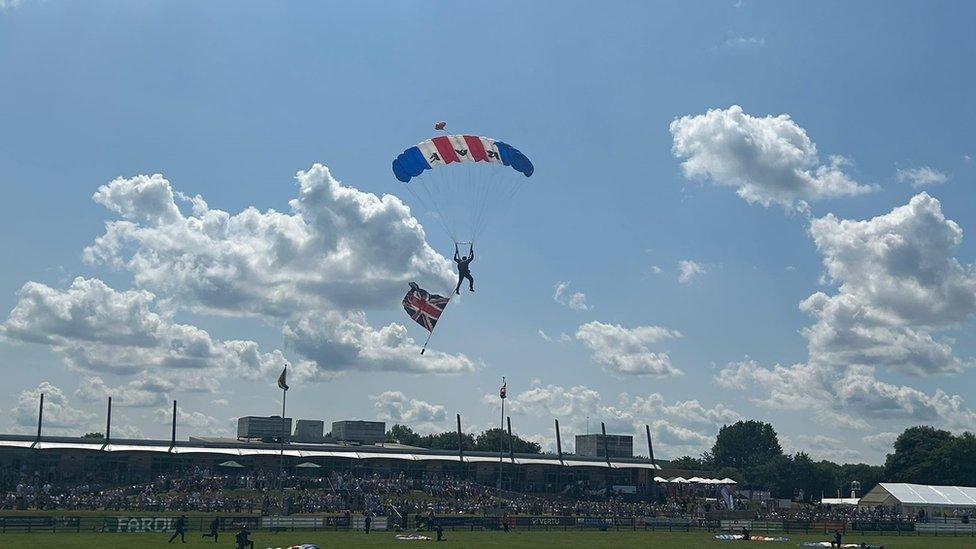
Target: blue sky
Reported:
point(229, 101)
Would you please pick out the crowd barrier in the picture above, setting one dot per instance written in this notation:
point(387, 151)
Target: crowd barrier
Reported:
point(950, 529)
point(161, 524)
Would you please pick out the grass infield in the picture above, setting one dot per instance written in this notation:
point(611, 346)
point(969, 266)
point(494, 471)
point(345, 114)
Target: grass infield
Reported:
point(458, 540)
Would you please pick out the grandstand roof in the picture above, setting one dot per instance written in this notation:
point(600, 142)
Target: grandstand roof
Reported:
point(232, 447)
point(920, 494)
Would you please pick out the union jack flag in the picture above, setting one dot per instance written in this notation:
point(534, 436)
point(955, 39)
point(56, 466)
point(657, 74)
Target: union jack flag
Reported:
point(424, 308)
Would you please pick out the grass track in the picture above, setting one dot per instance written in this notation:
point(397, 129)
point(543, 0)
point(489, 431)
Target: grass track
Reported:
point(459, 540)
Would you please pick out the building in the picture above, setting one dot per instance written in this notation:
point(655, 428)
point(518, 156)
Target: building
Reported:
point(363, 432)
point(910, 499)
point(618, 446)
point(309, 430)
point(263, 428)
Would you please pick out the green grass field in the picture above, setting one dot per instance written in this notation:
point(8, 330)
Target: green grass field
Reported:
point(459, 540)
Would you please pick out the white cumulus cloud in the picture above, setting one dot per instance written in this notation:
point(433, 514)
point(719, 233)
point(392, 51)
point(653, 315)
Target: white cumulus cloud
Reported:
point(898, 285)
point(199, 422)
point(60, 418)
point(574, 300)
point(420, 415)
point(339, 248)
point(338, 341)
point(688, 270)
point(97, 328)
point(769, 160)
point(625, 350)
point(677, 428)
point(336, 254)
point(922, 176)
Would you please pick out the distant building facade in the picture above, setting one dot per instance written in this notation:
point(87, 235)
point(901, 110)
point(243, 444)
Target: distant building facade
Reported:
point(309, 431)
point(363, 432)
point(265, 428)
point(618, 446)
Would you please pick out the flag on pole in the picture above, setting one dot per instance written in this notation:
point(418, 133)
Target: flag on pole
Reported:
point(504, 390)
point(282, 381)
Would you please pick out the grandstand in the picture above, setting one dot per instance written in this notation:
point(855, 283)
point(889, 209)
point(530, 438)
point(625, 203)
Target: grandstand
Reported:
point(73, 456)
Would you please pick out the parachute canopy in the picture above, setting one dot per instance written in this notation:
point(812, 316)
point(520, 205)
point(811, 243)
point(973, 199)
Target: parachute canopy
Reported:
point(447, 149)
point(462, 199)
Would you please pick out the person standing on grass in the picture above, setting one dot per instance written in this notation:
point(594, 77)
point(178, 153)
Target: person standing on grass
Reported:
point(214, 529)
point(180, 527)
point(242, 539)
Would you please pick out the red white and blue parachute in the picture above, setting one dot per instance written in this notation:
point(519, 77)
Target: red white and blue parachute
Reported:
point(462, 180)
point(447, 149)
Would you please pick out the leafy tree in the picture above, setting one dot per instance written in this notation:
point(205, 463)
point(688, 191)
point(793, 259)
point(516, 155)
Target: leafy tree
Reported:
point(729, 472)
point(403, 435)
point(745, 445)
point(493, 439)
point(955, 461)
point(688, 463)
point(914, 459)
point(774, 475)
point(868, 475)
point(92, 435)
point(807, 476)
point(447, 441)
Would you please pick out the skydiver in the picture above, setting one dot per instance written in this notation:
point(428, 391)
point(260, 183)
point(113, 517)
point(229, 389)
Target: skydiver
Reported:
point(462, 267)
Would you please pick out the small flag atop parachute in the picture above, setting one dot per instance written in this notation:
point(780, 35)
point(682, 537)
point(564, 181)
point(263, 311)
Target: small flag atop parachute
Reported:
point(440, 125)
point(424, 308)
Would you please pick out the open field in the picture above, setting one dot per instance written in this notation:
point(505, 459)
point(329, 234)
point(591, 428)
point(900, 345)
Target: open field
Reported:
point(459, 540)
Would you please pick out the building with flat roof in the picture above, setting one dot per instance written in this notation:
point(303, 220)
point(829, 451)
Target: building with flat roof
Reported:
point(363, 432)
point(265, 428)
point(617, 446)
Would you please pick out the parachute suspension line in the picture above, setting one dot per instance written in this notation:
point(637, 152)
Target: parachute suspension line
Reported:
point(431, 210)
point(495, 200)
point(443, 216)
point(481, 201)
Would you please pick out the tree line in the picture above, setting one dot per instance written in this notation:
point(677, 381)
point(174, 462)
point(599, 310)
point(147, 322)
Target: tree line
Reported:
point(489, 440)
point(750, 453)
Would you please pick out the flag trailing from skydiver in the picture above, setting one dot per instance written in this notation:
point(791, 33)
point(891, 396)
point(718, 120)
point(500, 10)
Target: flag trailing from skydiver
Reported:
point(423, 307)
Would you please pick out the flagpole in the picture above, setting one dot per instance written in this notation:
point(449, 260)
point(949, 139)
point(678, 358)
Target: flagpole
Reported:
point(501, 438)
point(283, 383)
point(424, 349)
point(281, 455)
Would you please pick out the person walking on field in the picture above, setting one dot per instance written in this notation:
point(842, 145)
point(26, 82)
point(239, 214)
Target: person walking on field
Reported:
point(242, 539)
point(214, 529)
point(180, 527)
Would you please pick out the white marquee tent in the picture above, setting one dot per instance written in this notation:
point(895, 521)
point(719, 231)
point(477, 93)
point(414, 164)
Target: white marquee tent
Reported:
point(910, 498)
